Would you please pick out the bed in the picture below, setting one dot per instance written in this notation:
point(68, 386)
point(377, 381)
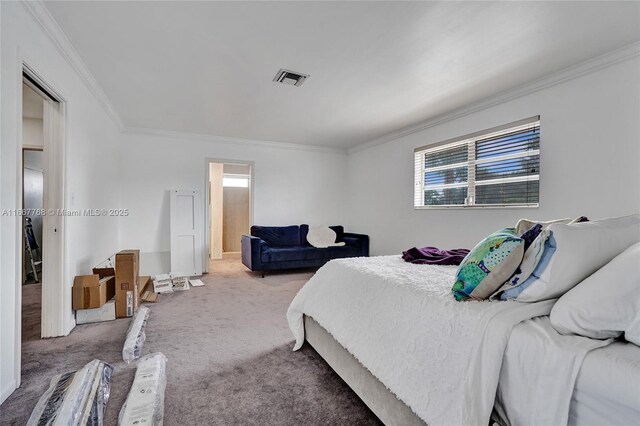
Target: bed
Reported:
point(607, 387)
point(571, 379)
point(414, 355)
point(384, 404)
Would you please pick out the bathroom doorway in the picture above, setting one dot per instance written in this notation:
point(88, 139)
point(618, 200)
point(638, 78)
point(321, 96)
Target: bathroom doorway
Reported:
point(230, 199)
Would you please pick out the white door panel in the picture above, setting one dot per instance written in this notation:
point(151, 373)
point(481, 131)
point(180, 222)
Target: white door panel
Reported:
point(186, 232)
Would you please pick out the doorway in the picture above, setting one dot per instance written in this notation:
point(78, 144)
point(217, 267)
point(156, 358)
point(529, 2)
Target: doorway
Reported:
point(43, 296)
point(33, 186)
point(230, 194)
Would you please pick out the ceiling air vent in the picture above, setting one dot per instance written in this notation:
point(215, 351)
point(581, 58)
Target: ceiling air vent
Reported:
point(291, 78)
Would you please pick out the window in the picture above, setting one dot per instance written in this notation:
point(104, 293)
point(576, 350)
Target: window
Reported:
point(498, 167)
point(235, 181)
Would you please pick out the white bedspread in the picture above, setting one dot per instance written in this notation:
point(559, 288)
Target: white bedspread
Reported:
point(539, 374)
point(440, 357)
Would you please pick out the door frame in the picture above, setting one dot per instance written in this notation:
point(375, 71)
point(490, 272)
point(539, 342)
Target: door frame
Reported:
point(56, 317)
point(207, 194)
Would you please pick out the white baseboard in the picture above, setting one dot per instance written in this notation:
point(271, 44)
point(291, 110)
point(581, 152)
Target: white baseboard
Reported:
point(8, 390)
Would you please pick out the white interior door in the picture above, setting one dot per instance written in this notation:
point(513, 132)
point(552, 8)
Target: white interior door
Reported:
point(57, 315)
point(186, 232)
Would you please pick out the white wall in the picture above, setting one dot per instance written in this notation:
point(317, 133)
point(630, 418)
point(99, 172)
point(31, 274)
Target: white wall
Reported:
point(92, 170)
point(291, 186)
point(590, 143)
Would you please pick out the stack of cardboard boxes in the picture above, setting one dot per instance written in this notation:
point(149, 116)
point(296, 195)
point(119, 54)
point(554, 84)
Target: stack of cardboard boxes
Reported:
point(93, 295)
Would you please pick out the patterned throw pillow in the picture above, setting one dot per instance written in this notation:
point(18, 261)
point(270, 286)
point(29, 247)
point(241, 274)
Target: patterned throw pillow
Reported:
point(492, 262)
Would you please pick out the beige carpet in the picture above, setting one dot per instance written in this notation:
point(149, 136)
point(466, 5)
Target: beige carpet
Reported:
point(229, 358)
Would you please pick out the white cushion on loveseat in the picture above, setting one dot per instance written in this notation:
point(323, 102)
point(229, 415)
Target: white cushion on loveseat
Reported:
point(322, 237)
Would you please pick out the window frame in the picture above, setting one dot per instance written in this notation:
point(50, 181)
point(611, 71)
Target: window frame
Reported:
point(470, 141)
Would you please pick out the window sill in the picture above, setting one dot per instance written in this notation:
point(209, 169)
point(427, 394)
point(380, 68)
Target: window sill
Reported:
point(480, 206)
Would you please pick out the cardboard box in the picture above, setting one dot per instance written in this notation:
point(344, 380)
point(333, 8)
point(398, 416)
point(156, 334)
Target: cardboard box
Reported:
point(91, 291)
point(144, 282)
point(104, 272)
point(105, 313)
point(127, 282)
point(148, 296)
point(146, 290)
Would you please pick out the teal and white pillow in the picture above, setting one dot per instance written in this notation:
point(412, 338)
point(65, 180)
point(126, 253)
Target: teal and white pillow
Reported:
point(489, 265)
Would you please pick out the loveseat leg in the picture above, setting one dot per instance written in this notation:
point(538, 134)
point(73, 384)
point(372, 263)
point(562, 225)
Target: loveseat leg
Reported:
point(263, 273)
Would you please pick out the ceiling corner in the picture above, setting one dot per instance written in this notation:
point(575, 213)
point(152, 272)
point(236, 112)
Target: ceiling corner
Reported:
point(38, 10)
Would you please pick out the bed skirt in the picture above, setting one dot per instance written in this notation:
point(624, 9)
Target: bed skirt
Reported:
point(384, 404)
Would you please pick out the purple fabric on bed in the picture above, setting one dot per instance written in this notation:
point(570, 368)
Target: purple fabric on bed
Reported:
point(531, 234)
point(434, 256)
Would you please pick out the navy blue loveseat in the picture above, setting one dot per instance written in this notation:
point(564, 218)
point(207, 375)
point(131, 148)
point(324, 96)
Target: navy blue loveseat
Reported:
point(270, 248)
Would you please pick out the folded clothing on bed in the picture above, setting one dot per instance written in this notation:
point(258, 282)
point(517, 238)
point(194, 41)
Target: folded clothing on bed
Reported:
point(434, 256)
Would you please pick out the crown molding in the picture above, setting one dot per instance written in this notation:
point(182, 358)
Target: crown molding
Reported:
point(43, 17)
point(591, 65)
point(202, 137)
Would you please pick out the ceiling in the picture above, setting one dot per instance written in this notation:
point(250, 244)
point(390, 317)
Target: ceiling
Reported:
point(375, 67)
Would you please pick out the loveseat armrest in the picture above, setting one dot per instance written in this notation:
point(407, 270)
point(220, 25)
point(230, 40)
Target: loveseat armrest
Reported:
point(361, 241)
point(251, 249)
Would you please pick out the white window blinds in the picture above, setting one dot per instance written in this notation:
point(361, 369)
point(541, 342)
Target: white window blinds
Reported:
point(493, 168)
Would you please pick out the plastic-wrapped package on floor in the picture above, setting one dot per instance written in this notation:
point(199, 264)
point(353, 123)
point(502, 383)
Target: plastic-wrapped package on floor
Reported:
point(132, 348)
point(145, 402)
point(180, 281)
point(94, 411)
point(76, 398)
point(162, 284)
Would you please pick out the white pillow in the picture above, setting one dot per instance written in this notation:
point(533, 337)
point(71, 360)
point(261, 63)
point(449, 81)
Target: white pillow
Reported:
point(525, 224)
point(632, 333)
point(322, 237)
point(606, 304)
point(581, 249)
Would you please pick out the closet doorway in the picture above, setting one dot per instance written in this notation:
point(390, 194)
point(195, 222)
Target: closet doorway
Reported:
point(230, 199)
point(43, 296)
point(33, 104)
